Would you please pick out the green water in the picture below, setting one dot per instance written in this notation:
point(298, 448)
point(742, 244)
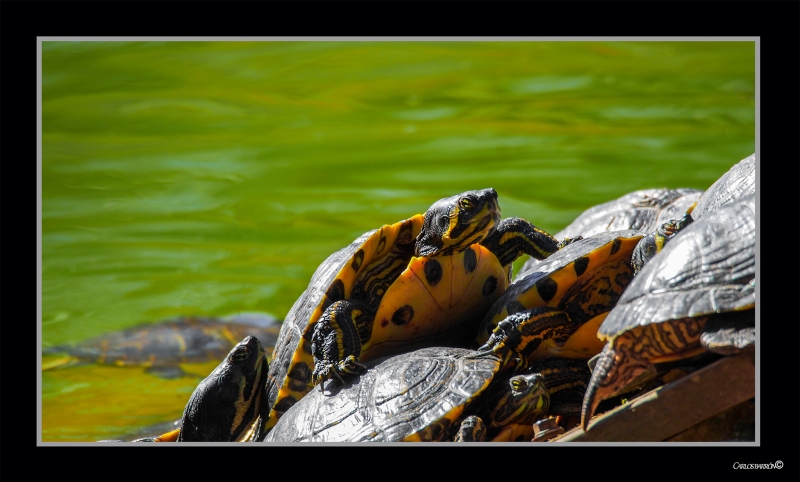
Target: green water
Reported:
point(212, 178)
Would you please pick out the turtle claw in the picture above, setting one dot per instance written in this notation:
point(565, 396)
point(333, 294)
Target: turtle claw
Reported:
point(482, 351)
point(568, 241)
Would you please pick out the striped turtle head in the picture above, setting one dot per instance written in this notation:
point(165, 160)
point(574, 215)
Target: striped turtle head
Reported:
point(454, 223)
point(522, 401)
point(653, 243)
point(227, 402)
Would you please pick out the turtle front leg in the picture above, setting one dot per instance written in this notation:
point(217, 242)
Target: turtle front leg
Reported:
point(514, 237)
point(335, 343)
point(520, 334)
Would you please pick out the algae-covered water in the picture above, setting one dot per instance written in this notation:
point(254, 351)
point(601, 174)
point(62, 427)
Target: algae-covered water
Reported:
point(211, 178)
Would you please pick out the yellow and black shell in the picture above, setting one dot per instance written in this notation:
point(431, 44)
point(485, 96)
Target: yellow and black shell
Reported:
point(416, 396)
point(574, 288)
point(642, 210)
point(168, 343)
point(419, 301)
point(387, 250)
point(697, 294)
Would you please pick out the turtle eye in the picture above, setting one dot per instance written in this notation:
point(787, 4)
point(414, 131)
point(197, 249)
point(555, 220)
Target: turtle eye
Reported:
point(518, 384)
point(465, 203)
point(239, 356)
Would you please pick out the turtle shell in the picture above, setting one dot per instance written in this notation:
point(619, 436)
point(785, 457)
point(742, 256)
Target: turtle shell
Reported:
point(642, 210)
point(171, 342)
point(585, 279)
point(738, 182)
point(387, 250)
point(708, 267)
point(416, 396)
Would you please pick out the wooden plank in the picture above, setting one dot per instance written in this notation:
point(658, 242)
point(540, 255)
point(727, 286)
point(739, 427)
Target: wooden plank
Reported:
point(676, 406)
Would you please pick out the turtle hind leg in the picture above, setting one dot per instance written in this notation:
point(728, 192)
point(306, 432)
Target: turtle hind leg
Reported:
point(617, 366)
point(730, 333)
point(634, 352)
point(514, 237)
point(336, 343)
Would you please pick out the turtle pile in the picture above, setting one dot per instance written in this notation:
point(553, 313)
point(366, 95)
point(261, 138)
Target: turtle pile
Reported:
point(417, 331)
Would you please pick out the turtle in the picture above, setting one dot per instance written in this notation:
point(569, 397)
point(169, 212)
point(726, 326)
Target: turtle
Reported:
point(555, 309)
point(643, 210)
point(434, 394)
point(565, 380)
point(227, 403)
point(737, 183)
point(416, 396)
point(697, 295)
point(424, 281)
point(162, 346)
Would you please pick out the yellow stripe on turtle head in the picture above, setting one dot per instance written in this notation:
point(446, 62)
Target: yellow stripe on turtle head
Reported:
point(456, 222)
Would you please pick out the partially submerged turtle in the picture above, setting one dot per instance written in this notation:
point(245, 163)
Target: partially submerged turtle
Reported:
point(554, 309)
point(642, 210)
point(424, 281)
point(417, 396)
point(697, 294)
point(164, 345)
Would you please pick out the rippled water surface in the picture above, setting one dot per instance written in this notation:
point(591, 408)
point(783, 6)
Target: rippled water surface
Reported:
point(210, 178)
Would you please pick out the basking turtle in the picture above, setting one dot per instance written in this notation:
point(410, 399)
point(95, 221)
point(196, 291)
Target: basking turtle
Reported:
point(417, 396)
point(554, 309)
point(565, 380)
point(226, 405)
point(697, 294)
point(737, 183)
point(424, 281)
point(228, 402)
point(164, 345)
point(642, 210)
point(434, 394)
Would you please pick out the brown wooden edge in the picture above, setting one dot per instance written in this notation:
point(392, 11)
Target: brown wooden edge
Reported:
point(676, 406)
